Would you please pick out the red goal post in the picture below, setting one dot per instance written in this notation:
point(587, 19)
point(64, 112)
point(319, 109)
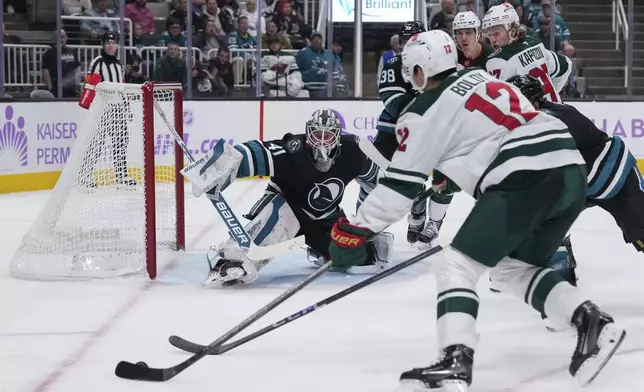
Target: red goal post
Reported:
point(120, 197)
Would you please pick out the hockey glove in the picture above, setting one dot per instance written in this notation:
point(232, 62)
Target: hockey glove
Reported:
point(89, 90)
point(218, 168)
point(348, 244)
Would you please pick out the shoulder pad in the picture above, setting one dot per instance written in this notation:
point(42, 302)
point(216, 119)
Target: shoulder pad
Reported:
point(292, 143)
point(350, 138)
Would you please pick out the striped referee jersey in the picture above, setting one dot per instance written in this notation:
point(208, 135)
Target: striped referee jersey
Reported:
point(108, 67)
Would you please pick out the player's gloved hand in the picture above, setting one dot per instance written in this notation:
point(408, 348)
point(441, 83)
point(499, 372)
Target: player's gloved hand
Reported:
point(348, 244)
point(217, 169)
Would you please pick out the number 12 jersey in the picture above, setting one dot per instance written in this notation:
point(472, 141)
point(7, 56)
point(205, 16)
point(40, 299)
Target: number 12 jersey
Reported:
point(475, 129)
point(528, 56)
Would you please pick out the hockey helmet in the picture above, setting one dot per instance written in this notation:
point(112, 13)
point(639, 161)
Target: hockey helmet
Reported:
point(503, 15)
point(109, 36)
point(433, 52)
point(323, 132)
point(408, 30)
point(466, 20)
point(529, 86)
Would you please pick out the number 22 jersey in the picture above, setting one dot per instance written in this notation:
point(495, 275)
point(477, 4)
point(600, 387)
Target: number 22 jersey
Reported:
point(528, 56)
point(476, 130)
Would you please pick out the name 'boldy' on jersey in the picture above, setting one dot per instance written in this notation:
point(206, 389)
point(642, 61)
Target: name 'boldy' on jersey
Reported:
point(454, 128)
point(288, 163)
point(395, 94)
point(528, 56)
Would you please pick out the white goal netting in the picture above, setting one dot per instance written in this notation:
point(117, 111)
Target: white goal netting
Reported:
point(106, 208)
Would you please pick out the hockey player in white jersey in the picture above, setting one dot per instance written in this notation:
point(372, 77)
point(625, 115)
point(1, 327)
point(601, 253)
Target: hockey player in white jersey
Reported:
point(518, 55)
point(280, 75)
point(529, 180)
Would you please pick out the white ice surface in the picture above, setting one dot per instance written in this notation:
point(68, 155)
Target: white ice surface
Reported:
point(68, 336)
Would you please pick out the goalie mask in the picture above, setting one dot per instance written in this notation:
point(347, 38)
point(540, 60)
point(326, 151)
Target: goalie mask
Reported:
point(323, 133)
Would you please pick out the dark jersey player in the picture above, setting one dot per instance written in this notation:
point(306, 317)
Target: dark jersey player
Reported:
point(308, 175)
point(614, 182)
point(396, 95)
point(472, 50)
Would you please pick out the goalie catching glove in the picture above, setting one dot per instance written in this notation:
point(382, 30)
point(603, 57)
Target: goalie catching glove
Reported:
point(218, 168)
point(348, 246)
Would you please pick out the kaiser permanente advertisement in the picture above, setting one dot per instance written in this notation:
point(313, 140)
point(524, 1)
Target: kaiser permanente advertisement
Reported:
point(36, 139)
point(373, 10)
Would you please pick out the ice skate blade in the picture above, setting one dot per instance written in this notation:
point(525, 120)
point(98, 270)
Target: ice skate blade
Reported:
point(419, 386)
point(610, 338)
point(412, 386)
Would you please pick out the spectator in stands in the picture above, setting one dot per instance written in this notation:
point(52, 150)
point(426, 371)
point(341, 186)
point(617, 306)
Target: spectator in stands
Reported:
point(439, 21)
point(280, 75)
point(173, 33)
point(197, 6)
point(8, 38)
point(208, 39)
point(142, 15)
point(289, 23)
point(231, 10)
point(561, 29)
point(224, 68)
point(75, 7)
point(313, 62)
point(241, 39)
point(133, 72)
point(137, 36)
point(336, 48)
point(394, 44)
point(171, 67)
point(254, 18)
point(224, 22)
point(449, 20)
point(181, 13)
point(543, 34)
point(271, 32)
point(95, 28)
point(532, 11)
point(207, 82)
point(70, 70)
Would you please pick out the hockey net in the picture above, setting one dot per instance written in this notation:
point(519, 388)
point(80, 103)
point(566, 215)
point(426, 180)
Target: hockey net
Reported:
point(119, 199)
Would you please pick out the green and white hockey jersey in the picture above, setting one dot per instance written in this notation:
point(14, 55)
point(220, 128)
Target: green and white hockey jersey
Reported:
point(477, 131)
point(528, 56)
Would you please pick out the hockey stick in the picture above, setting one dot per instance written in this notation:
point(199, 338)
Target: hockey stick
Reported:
point(191, 347)
point(141, 371)
point(235, 228)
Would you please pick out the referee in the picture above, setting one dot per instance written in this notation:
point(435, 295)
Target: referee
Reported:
point(114, 120)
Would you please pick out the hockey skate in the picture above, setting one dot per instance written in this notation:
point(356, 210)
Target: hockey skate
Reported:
point(453, 372)
point(597, 340)
point(225, 272)
point(416, 225)
point(430, 232)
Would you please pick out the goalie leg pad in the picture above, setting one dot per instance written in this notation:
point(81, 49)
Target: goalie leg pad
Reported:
point(275, 223)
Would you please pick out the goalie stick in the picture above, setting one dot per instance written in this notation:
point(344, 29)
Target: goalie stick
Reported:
point(235, 228)
point(191, 347)
point(141, 371)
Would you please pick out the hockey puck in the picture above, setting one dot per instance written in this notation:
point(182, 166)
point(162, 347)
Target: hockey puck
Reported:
point(142, 364)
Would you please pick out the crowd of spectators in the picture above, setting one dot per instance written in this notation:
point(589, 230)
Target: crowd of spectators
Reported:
point(224, 37)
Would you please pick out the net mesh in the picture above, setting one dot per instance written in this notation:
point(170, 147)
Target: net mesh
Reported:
point(94, 224)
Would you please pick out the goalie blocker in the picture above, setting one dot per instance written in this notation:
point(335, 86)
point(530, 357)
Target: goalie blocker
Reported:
point(308, 174)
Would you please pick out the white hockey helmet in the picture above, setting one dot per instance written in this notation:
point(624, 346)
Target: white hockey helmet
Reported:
point(466, 20)
point(433, 52)
point(501, 15)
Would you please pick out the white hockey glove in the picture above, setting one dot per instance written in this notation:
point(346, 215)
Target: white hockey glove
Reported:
point(210, 171)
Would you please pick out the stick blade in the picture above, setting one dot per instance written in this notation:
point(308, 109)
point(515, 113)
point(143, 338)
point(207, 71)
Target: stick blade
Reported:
point(269, 251)
point(139, 371)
